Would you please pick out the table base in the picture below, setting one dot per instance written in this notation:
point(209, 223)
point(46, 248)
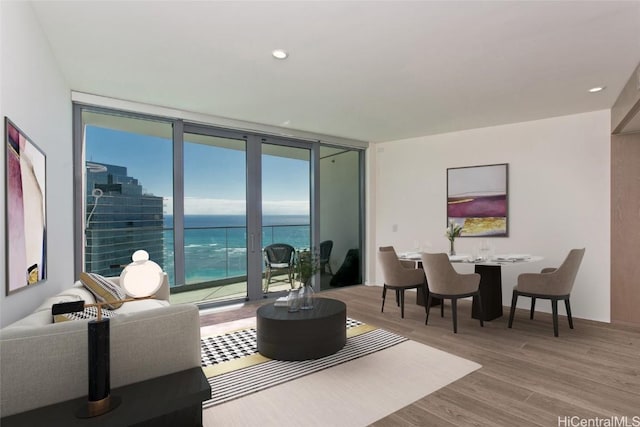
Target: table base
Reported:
point(490, 291)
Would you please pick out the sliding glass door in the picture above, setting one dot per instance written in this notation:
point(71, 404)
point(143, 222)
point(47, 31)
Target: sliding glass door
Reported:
point(286, 209)
point(215, 216)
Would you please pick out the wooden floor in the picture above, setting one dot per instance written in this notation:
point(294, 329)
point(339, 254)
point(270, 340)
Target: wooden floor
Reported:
point(528, 377)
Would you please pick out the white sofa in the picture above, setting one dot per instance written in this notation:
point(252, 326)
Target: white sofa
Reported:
point(42, 363)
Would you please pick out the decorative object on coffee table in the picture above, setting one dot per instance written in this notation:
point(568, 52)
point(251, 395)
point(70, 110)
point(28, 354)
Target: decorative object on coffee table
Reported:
point(308, 265)
point(293, 301)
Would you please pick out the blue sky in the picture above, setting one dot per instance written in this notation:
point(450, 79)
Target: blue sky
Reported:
point(215, 181)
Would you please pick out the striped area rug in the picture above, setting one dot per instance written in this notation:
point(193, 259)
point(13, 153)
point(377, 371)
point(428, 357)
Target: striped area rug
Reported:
point(265, 373)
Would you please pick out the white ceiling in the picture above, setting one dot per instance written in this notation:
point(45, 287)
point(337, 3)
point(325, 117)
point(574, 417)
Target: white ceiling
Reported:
point(374, 71)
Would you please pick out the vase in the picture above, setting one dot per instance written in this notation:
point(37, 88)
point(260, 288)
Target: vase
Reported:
point(293, 301)
point(452, 250)
point(306, 296)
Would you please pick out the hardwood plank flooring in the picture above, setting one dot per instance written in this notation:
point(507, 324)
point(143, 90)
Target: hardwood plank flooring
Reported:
point(528, 377)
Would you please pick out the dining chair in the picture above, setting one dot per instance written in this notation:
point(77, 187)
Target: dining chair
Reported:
point(325, 254)
point(444, 282)
point(278, 257)
point(397, 277)
point(551, 283)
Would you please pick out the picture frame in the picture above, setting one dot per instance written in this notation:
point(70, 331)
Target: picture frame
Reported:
point(478, 199)
point(25, 210)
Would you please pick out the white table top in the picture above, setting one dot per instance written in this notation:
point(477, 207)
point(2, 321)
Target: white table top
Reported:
point(500, 259)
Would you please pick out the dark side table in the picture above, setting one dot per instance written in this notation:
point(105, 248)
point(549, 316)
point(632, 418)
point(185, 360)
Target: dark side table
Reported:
point(171, 400)
point(302, 335)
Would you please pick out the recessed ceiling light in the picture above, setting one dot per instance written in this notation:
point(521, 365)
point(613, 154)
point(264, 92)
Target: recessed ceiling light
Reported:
point(280, 54)
point(596, 89)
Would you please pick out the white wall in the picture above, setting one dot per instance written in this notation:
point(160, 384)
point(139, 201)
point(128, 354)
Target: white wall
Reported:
point(35, 96)
point(559, 193)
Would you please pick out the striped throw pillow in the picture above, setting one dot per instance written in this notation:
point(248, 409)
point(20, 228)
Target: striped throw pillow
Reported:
point(103, 289)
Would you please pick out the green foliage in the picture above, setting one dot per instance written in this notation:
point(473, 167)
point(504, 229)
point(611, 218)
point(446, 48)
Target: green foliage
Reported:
point(453, 230)
point(307, 264)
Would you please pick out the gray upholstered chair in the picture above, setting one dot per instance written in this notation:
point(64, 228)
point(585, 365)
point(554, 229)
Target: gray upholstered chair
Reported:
point(551, 283)
point(398, 277)
point(445, 282)
point(278, 257)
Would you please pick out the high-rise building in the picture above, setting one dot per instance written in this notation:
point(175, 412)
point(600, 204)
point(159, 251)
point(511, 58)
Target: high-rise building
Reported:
point(120, 219)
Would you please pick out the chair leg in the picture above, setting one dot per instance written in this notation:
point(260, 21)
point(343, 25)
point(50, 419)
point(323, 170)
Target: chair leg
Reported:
point(267, 280)
point(428, 307)
point(533, 307)
point(384, 295)
point(398, 297)
point(454, 314)
point(425, 292)
point(568, 307)
point(554, 310)
point(480, 308)
point(514, 300)
point(402, 303)
point(441, 307)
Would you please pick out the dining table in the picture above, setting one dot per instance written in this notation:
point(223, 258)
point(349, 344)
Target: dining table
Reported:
point(490, 270)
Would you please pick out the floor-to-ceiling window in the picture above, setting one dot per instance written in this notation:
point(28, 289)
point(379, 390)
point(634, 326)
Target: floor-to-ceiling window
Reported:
point(127, 185)
point(205, 202)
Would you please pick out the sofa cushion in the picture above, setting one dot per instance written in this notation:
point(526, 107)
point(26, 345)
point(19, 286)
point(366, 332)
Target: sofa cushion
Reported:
point(140, 305)
point(36, 319)
point(103, 289)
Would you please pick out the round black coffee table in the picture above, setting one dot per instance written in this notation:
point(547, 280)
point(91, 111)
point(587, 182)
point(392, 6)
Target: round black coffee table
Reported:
point(305, 334)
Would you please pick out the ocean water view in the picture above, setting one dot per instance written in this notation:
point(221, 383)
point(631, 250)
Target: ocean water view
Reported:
point(216, 245)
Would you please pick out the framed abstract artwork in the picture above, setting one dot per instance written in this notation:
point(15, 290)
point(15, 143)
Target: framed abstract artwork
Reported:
point(478, 200)
point(26, 214)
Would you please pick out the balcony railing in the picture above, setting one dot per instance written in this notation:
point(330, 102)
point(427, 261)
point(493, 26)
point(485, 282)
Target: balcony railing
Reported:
point(216, 254)
point(213, 255)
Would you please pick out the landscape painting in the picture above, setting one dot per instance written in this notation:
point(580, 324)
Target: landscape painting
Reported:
point(477, 200)
point(26, 225)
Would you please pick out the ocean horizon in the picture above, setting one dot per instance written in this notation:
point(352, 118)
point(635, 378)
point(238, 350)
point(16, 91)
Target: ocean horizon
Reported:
point(216, 245)
point(236, 220)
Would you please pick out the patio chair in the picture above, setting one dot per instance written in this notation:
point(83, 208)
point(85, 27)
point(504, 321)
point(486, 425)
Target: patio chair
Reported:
point(278, 257)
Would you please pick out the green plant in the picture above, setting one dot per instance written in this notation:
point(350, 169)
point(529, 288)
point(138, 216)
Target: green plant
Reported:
point(308, 264)
point(453, 230)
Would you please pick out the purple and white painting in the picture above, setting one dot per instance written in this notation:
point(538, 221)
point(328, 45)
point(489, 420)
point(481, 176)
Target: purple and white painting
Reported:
point(26, 210)
point(477, 199)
